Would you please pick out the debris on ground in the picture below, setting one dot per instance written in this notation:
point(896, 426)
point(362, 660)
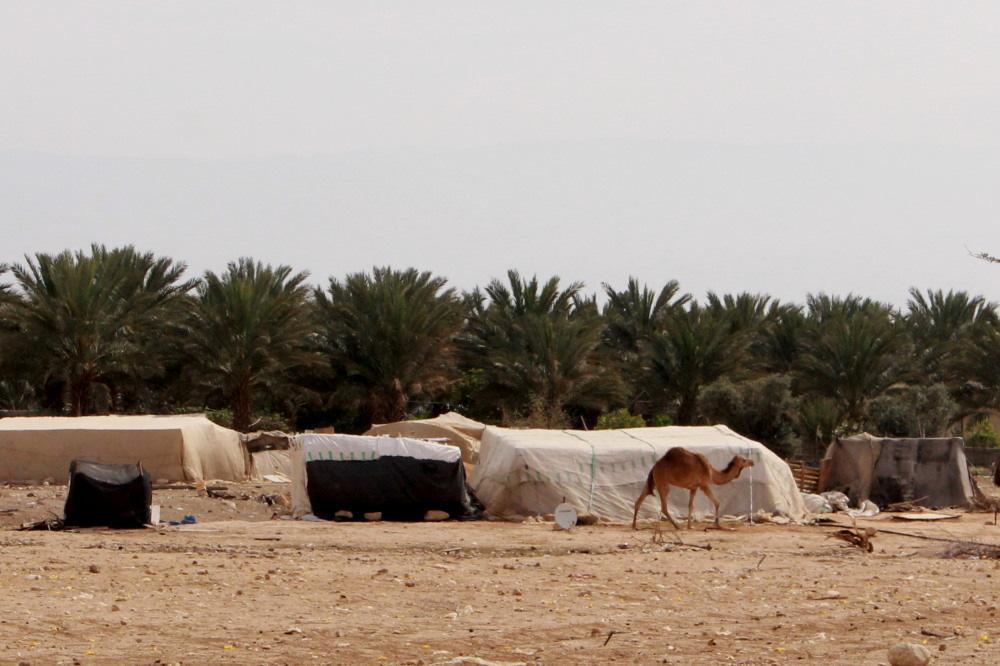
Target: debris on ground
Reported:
point(926, 516)
point(860, 538)
point(972, 550)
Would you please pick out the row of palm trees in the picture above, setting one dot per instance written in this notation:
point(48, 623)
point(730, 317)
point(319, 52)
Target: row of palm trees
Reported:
point(119, 330)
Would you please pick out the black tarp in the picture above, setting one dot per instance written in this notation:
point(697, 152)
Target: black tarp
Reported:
point(400, 487)
point(103, 495)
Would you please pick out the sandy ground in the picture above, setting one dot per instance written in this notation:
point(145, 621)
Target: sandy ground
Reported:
point(241, 588)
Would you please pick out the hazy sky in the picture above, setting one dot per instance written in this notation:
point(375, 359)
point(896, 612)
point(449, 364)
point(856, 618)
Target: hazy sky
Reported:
point(785, 147)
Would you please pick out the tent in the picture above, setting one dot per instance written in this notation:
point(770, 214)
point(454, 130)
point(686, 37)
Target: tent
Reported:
point(602, 472)
point(271, 463)
point(451, 428)
point(175, 448)
point(103, 495)
point(268, 453)
point(931, 472)
point(401, 478)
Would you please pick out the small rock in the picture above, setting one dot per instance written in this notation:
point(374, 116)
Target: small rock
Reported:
point(343, 515)
point(293, 630)
point(435, 515)
point(32, 577)
point(909, 654)
point(93, 568)
point(373, 516)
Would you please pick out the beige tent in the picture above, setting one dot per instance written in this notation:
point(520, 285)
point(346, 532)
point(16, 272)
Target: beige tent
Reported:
point(602, 472)
point(176, 448)
point(451, 428)
point(931, 472)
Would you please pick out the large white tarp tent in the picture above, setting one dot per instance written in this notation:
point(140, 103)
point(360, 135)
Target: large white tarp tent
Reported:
point(176, 448)
point(602, 472)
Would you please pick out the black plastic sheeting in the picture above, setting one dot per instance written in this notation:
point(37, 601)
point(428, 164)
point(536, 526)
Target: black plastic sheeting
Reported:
point(400, 487)
point(103, 495)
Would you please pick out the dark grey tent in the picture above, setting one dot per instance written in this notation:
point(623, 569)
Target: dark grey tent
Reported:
point(931, 472)
point(104, 495)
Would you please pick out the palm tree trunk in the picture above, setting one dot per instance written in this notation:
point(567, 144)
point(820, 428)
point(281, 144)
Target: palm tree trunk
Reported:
point(241, 408)
point(688, 408)
point(78, 392)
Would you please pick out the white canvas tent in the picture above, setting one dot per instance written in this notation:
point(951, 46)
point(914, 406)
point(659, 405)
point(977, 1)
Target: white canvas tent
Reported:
point(176, 448)
point(602, 472)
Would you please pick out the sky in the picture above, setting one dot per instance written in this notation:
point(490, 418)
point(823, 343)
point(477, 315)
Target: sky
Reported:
point(778, 147)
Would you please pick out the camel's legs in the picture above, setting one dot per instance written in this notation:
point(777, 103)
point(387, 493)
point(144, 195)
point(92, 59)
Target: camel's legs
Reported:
point(708, 491)
point(691, 504)
point(664, 494)
point(638, 504)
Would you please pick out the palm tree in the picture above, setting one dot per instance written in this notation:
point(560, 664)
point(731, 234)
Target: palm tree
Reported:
point(939, 324)
point(83, 313)
point(246, 331)
point(389, 335)
point(695, 347)
point(634, 313)
point(536, 348)
point(780, 338)
point(631, 317)
point(852, 352)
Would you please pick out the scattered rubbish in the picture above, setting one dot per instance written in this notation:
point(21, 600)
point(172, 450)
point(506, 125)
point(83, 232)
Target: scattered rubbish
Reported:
point(867, 509)
point(49, 524)
point(186, 520)
point(276, 478)
point(838, 500)
point(816, 503)
point(857, 537)
point(912, 506)
point(565, 517)
point(926, 516)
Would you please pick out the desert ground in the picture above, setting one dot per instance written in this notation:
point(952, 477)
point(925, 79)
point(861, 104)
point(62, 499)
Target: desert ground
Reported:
point(240, 587)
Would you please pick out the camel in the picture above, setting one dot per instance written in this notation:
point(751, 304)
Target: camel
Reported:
point(685, 469)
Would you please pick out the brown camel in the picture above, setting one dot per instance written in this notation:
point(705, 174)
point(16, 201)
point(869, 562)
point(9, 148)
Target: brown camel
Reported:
point(685, 469)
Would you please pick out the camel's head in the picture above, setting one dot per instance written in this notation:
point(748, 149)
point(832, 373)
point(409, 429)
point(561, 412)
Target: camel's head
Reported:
point(737, 465)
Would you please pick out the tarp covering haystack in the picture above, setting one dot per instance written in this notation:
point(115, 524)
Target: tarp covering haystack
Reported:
point(602, 472)
point(931, 472)
point(398, 477)
point(452, 428)
point(269, 455)
point(173, 448)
